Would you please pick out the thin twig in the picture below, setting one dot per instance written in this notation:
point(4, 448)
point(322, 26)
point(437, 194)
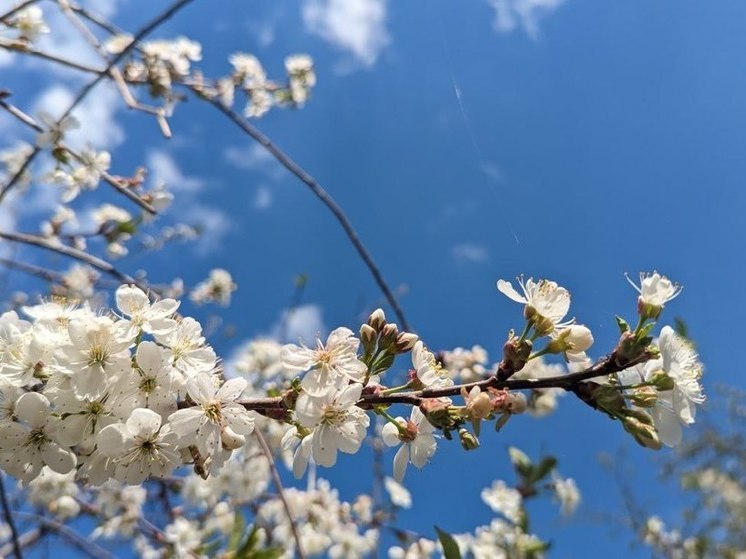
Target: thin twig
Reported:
point(85, 545)
point(322, 195)
point(24, 540)
point(24, 49)
point(86, 89)
point(13, 11)
point(112, 181)
point(9, 519)
point(114, 72)
point(38, 271)
point(94, 261)
point(280, 491)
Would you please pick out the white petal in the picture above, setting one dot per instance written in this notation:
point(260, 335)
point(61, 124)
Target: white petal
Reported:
point(57, 458)
point(506, 288)
point(390, 433)
point(33, 408)
point(232, 389)
point(324, 446)
point(131, 300)
point(423, 447)
point(185, 423)
point(400, 463)
point(110, 440)
point(308, 410)
point(143, 422)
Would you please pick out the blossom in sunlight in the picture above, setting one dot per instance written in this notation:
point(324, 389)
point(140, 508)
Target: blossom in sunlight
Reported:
point(216, 411)
point(572, 341)
point(98, 350)
point(655, 291)
point(139, 448)
point(329, 365)
point(151, 318)
point(543, 298)
point(337, 422)
point(678, 368)
point(417, 440)
point(429, 372)
point(29, 443)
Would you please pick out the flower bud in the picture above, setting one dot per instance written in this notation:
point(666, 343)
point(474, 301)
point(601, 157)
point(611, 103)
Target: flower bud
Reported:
point(644, 434)
point(389, 333)
point(405, 342)
point(662, 381)
point(518, 458)
point(368, 337)
point(468, 441)
point(377, 320)
point(516, 354)
point(645, 396)
point(230, 439)
point(478, 403)
point(648, 311)
point(437, 413)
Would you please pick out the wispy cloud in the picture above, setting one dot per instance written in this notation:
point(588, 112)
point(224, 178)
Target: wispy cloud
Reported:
point(301, 323)
point(213, 222)
point(254, 157)
point(511, 14)
point(469, 252)
point(164, 170)
point(263, 198)
point(96, 114)
point(356, 26)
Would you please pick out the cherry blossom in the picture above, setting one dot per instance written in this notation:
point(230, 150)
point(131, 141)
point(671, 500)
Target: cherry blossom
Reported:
point(417, 440)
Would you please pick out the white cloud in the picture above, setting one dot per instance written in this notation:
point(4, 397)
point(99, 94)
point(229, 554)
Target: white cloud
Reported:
point(164, 170)
point(301, 323)
point(213, 223)
point(357, 26)
point(468, 252)
point(510, 14)
point(263, 198)
point(98, 126)
point(254, 157)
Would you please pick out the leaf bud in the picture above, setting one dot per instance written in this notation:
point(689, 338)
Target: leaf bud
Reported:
point(516, 353)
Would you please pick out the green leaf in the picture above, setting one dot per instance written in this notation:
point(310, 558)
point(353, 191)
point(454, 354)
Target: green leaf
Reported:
point(623, 326)
point(450, 547)
point(239, 524)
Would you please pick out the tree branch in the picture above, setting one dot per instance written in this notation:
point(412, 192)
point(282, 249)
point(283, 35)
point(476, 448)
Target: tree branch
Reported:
point(9, 519)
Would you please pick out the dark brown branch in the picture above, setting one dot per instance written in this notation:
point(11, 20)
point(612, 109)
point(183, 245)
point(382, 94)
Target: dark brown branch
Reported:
point(276, 407)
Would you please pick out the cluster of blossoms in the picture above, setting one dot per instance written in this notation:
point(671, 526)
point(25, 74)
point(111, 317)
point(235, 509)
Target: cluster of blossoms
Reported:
point(88, 392)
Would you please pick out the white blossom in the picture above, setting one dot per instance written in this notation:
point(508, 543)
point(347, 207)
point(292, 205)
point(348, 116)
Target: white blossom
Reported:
point(546, 298)
point(329, 365)
point(417, 440)
point(337, 423)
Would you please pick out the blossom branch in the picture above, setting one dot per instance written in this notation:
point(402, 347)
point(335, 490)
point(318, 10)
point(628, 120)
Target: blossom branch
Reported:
point(86, 89)
point(82, 256)
point(92, 549)
point(111, 180)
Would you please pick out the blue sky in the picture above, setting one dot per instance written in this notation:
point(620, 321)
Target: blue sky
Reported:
point(467, 141)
